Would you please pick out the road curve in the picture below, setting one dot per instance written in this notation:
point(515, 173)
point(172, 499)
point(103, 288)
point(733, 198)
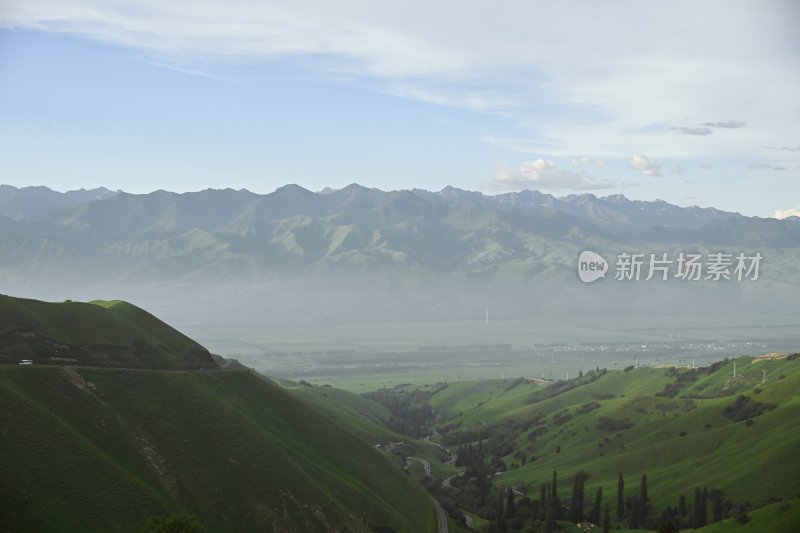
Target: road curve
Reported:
point(446, 483)
point(425, 464)
point(441, 517)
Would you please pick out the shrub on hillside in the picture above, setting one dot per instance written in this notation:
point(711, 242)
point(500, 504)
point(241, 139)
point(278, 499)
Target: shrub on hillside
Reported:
point(177, 523)
point(745, 408)
point(587, 408)
point(562, 417)
point(613, 424)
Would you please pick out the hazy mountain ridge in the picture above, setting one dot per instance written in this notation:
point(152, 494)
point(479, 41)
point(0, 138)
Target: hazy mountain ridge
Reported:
point(32, 202)
point(450, 231)
point(364, 254)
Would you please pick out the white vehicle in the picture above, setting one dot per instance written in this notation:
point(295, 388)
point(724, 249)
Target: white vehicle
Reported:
point(26, 362)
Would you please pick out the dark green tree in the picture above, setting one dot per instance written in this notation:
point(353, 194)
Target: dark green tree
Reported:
point(598, 499)
point(668, 516)
point(483, 482)
point(534, 510)
point(717, 505)
point(699, 510)
point(666, 527)
point(643, 502)
point(704, 511)
point(543, 503)
point(499, 522)
point(620, 497)
point(576, 501)
point(550, 520)
point(682, 505)
point(633, 512)
point(555, 502)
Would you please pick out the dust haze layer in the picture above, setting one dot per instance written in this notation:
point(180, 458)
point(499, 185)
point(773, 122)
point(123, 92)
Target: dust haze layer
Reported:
point(295, 258)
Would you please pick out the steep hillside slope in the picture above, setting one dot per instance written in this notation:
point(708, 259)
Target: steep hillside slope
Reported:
point(683, 428)
point(132, 419)
point(114, 334)
point(98, 449)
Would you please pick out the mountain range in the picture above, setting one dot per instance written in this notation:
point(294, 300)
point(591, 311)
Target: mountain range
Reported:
point(26, 202)
point(394, 253)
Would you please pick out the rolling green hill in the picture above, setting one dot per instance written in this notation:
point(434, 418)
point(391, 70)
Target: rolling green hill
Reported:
point(115, 334)
point(782, 517)
point(89, 448)
point(364, 417)
point(683, 428)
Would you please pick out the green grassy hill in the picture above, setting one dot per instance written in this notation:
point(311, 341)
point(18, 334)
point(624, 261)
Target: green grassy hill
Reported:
point(782, 517)
point(113, 334)
point(89, 448)
point(364, 417)
point(683, 428)
point(96, 449)
point(368, 420)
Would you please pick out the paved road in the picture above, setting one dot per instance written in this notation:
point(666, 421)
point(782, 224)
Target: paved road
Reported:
point(446, 483)
point(125, 369)
point(469, 520)
point(441, 517)
point(425, 463)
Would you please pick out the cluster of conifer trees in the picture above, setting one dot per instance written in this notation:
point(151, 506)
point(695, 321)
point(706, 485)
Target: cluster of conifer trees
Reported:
point(632, 509)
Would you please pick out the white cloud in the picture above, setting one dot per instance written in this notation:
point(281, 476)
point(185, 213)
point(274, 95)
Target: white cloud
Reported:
point(546, 175)
point(780, 214)
point(645, 165)
point(588, 161)
point(591, 74)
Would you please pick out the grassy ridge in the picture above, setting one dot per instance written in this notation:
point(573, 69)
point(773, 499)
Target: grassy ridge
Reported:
point(99, 333)
point(617, 423)
point(97, 449)
point(363, 417)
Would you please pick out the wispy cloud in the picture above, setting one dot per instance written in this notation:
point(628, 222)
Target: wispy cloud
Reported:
point(564, 95)
point(677, 170)
point(727, 124)
point(544, 174)
point(645, 165)
point(699, 130)
point(705, 128)
point(785, 148)
point(765, 166)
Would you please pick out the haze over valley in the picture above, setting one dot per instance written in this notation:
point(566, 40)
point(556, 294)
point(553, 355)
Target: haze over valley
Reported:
point(299, 283)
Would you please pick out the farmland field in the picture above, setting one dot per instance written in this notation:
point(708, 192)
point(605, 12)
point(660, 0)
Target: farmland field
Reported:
point(368, 357)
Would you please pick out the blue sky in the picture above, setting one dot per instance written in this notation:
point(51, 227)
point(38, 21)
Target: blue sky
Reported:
point(691, 102)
